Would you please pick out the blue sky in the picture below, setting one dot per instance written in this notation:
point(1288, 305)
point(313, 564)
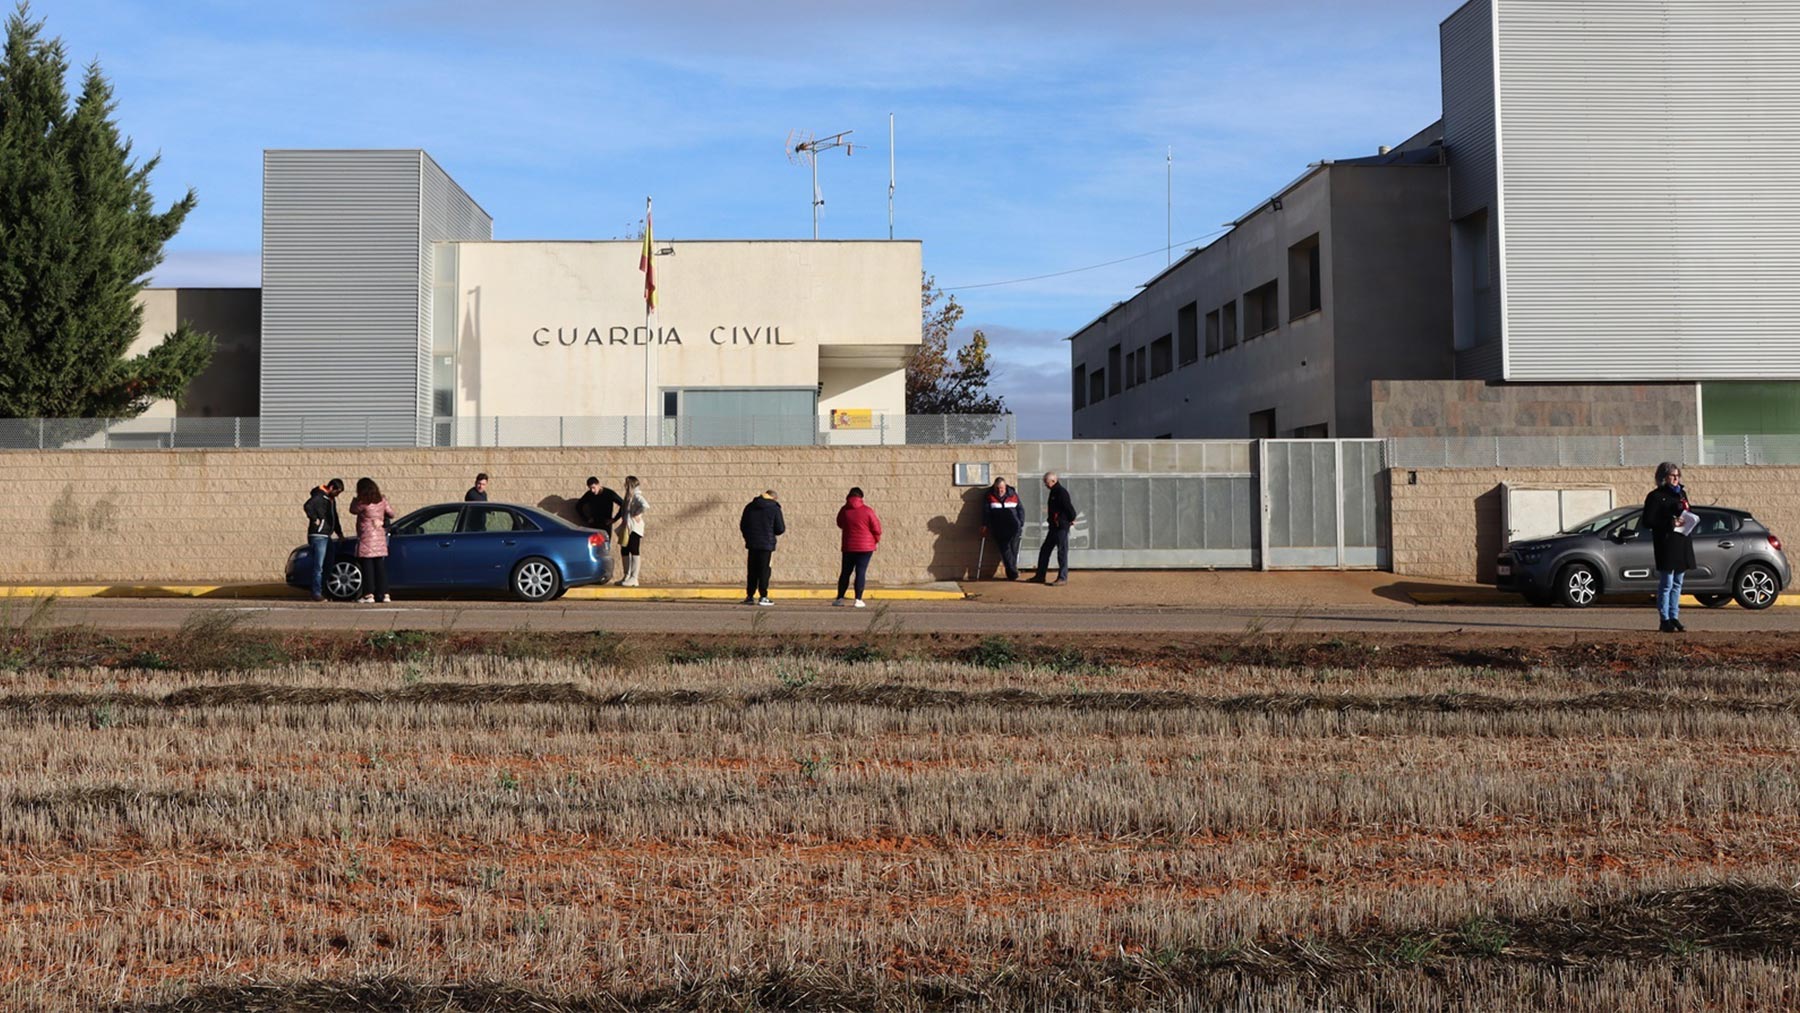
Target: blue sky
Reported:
point(1030, 136)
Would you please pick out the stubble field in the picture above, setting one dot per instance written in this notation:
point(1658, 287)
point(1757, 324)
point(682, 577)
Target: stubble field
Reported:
point(799, 831)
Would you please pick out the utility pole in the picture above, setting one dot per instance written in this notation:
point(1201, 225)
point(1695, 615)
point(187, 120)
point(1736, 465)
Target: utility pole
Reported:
point(808, 148)
point(1169, 211)
point(890, 176)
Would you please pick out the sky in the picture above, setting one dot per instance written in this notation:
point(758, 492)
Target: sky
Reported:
point(1031, 138)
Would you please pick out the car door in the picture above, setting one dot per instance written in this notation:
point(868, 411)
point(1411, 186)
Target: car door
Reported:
point(421, 546)
point(1717, 548)
point(1630, 555)
point(488, 544)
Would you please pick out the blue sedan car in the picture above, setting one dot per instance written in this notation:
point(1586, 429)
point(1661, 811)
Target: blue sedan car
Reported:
point(470, 547)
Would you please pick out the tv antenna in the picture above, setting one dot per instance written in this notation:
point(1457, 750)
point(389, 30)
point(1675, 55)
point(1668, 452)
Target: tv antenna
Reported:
point(802, 145)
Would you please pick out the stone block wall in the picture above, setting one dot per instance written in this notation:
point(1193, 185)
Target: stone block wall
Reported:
point(1449, 526)
point(209, 516)
point(1479, 408)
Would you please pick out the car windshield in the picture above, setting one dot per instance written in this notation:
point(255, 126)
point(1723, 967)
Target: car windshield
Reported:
point(1594, 525)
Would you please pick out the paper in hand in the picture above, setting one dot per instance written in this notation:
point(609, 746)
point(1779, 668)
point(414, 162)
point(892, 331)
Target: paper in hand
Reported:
point(1687, 522)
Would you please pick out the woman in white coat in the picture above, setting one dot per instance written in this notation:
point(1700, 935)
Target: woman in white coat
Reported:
point(631, 530)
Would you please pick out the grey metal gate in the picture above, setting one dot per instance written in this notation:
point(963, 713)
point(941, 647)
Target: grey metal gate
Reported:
point(1324, 504)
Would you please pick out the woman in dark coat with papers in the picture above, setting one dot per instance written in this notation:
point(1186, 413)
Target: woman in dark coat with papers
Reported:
point(1666, 515)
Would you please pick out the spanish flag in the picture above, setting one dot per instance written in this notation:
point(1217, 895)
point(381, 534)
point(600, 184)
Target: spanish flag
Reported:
point(647, 261)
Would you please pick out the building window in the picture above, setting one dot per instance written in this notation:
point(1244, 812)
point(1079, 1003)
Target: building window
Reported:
point(1081, 387)
point(1115, 376)
point(1162, 356)
point(1262, 310)
point(1262, 425)
point(1130, 369)
point(1316, 431)
point(1097, 386)
point(1304, 295)
point(1228, 332)
point(1474, 319)
point(1143, 364)
point(1212, 333)
point(1187, 329)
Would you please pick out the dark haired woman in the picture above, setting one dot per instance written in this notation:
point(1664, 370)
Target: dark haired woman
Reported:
point(372, 514)
point(1665, 510)
point(862, 534)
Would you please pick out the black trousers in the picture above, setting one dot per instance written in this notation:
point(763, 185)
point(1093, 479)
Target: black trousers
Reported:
point(1009, 551)
point(374, 573)
point(756, 573)
point(1057, 539)
point(857, 563)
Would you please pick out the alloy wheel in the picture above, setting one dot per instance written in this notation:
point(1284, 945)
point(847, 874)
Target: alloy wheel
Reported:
point(1756, 588)
point(1579, 587)
point(535, 580)
point(343, 580)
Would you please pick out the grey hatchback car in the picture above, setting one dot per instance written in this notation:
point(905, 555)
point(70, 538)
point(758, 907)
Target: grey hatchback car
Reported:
point(1735, 558)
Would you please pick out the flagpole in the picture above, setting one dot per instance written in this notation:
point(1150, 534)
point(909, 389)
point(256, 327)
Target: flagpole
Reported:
point(651, 417)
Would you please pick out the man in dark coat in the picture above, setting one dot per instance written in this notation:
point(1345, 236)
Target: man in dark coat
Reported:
point(761, 525)
point(1664, 512)
point(322, 528)
point(1003, 520)
point(1060, 514)
point(478, 492)
point(600, 508)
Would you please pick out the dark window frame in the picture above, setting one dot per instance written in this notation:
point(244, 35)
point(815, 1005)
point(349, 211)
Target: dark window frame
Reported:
point(1187, 330)
point(1162, 356)
point(1262, 310)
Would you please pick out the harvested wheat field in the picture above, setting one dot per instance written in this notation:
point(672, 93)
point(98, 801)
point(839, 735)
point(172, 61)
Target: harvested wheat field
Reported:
point(793, 832)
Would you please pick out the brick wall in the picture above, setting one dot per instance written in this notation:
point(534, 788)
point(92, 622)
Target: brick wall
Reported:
point(233, 515)
point(1480, 408)
point(1449, 524)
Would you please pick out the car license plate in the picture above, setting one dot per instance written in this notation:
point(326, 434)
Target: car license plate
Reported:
point(1504, 569)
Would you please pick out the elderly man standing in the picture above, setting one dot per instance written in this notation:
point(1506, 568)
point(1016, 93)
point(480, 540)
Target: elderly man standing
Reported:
point(1060, 513)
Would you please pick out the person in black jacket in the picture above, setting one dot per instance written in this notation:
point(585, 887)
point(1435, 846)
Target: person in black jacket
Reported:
point(478, 492)
point(322, 528)
point(1003, 520)
point(1664, 509)
point(600, 508)
point(1060, 514)
point(761, 525)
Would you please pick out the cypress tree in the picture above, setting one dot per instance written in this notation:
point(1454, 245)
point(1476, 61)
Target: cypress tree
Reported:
point(78, 233)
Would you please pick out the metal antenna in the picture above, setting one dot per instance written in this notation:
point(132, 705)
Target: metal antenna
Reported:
point(1169, 210)
point(808, 147)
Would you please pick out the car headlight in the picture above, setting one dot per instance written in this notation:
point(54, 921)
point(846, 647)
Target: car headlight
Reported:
point(1528, 553)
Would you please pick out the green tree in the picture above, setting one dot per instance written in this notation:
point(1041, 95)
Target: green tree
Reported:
point(942, 382)
point(78, 232)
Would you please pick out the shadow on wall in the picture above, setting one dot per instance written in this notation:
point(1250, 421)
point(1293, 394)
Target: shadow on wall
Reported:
point(563, 507)
point(956, 542)
point(1490, 539)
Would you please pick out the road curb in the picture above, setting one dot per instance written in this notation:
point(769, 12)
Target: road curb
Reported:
point(608, 593)
point(1503, 599)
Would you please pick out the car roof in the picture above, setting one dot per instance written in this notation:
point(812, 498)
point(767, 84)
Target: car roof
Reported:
point(536, 513)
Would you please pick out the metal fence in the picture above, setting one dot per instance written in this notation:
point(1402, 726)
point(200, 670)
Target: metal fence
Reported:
point(1589, 451)
point(325, 432)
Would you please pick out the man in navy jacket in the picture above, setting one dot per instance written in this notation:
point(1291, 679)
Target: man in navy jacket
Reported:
point(1003, 520)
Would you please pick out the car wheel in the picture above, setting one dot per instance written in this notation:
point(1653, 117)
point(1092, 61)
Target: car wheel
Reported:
point(536, 579)
point(343, 580)
point(1578, 586)
point(1714, 601)
point(1756, 587)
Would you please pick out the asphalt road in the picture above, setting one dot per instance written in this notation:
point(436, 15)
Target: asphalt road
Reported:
point(909, 617)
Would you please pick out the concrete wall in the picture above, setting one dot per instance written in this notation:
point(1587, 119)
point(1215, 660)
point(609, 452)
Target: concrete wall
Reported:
point(233, 316)
point(1448, 525)
point(233, 515)
point(1478, 408)
point(787, 301)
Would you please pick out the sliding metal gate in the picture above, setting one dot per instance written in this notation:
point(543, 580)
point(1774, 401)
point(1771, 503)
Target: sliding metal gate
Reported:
point(1324, 504)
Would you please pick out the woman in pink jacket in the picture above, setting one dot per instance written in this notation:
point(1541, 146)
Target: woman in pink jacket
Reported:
point(372, 514)
point(862, 534)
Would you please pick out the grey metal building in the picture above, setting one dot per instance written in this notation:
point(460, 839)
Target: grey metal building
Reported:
point(1278, 327)
point(1621, 221)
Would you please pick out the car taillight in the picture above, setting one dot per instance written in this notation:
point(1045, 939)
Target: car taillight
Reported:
point(598, 540)
point(1774, 541)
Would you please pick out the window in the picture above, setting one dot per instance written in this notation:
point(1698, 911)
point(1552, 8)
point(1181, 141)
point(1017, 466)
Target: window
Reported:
point(434, 521)
point(1714, 522)
point(1303, 278)
point(1228, 332)
point(1131, 370)
point(1143, 365)
point(1162, 356)
point(1187, 329)
point(477, 520)
point(1262, 425)
point(1081, 386)
point(1474, 319)
point(1212, 333)
point(1097, 386)
point(1317, 431)
point(1262, 310)
point(1115, 377)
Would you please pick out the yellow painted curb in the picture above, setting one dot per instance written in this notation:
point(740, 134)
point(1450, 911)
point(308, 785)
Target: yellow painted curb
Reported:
point(1505, 598)
point(607, 593)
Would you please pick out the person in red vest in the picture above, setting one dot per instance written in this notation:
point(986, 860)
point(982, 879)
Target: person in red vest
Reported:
point(1003, 520)
point(862, 534)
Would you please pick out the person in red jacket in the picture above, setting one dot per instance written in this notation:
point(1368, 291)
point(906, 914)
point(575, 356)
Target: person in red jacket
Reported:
point(862, 534)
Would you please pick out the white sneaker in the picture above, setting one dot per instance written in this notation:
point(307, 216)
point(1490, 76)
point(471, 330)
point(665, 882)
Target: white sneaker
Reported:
point(859, 603)
point(367, 599)
point(765, 601)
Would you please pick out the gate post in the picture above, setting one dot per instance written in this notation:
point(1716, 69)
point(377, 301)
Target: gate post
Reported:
point(1338, 452)
point(1262, 498)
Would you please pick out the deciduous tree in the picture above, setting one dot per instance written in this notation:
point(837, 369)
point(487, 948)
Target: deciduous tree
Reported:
point(940, 381)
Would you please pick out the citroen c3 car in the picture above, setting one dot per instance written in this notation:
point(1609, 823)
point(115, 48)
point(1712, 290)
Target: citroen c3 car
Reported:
point(1735, 558)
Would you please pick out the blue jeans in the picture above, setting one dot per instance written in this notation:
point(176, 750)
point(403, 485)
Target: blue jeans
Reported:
point(321, 546)
point(1668, 593)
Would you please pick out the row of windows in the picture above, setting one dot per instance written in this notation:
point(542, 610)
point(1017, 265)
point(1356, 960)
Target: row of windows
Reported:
point(1261, 315)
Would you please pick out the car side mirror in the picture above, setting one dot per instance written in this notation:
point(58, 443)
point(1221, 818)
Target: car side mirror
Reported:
point(1619, 535)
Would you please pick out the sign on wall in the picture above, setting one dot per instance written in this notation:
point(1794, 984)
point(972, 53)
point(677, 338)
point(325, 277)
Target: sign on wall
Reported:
point(852, 418)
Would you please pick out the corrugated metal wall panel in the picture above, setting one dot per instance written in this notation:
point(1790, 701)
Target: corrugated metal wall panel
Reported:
point(1466, 47)
point(1650, 198)
point(346, 309)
